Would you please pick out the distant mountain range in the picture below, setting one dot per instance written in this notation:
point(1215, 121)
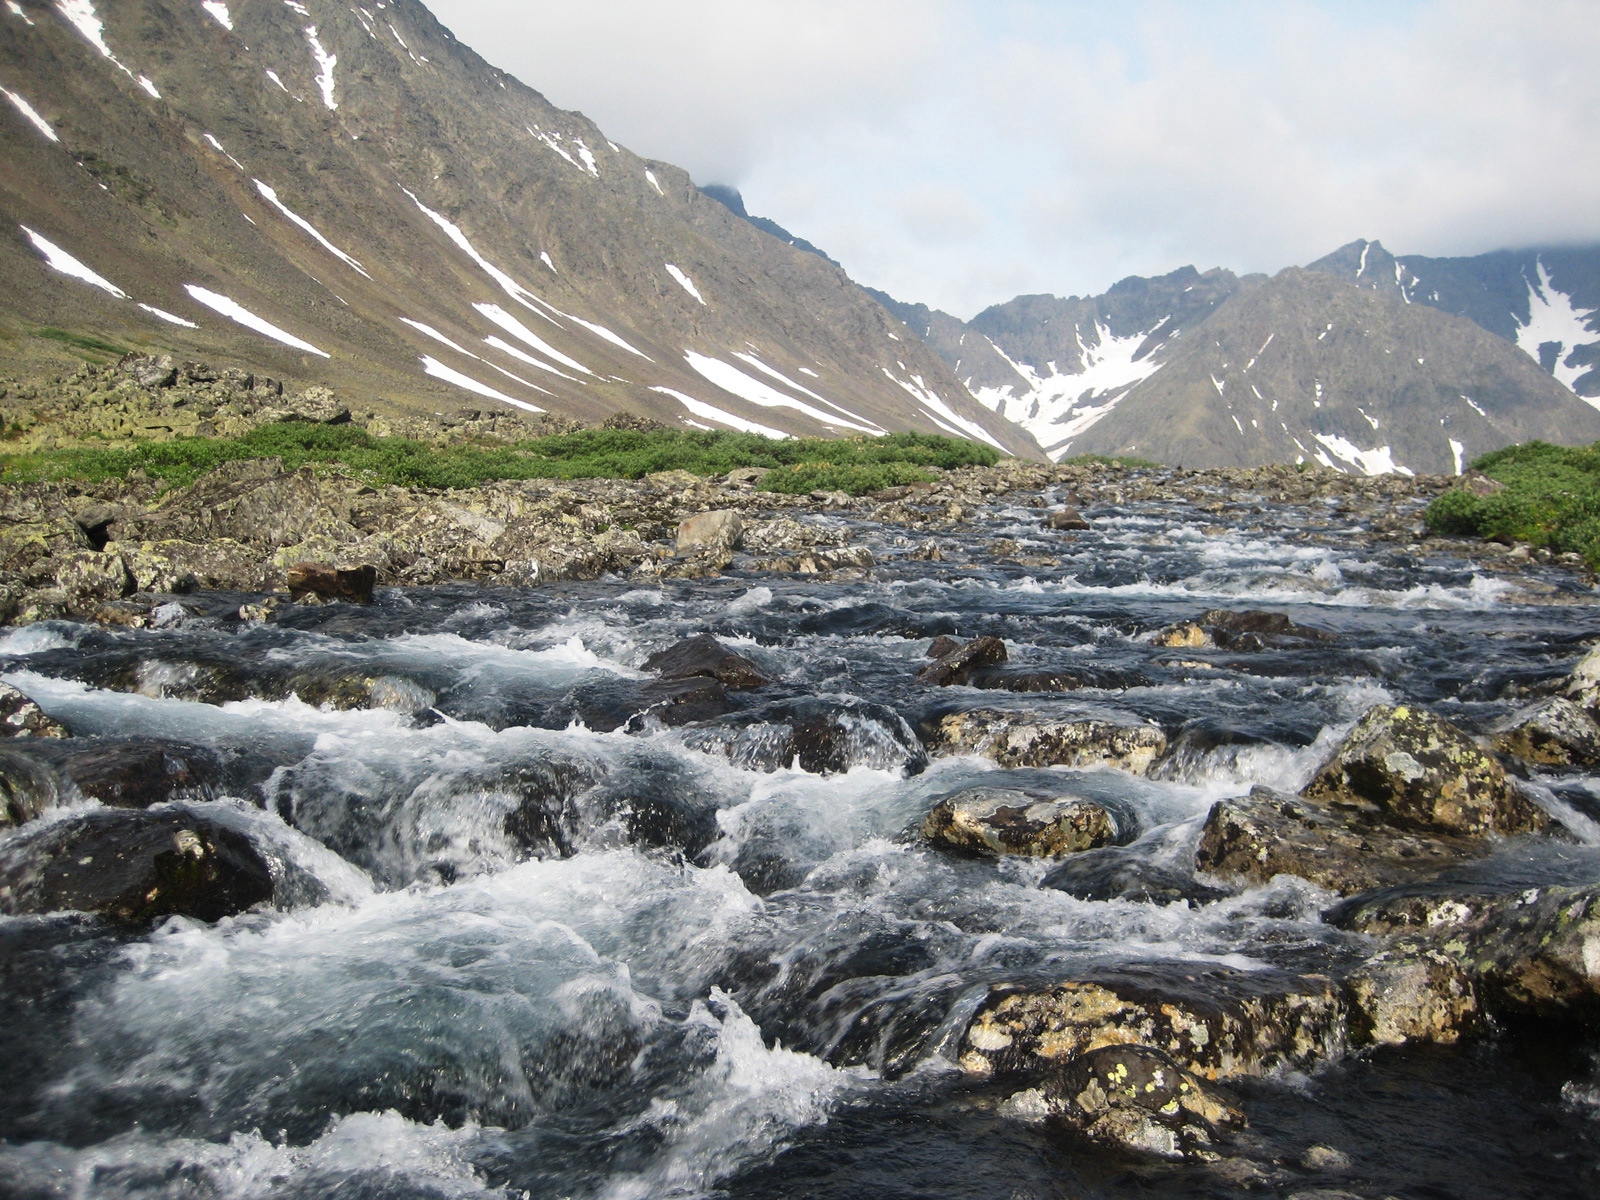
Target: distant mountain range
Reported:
point(347, 195)
point(1361, 361)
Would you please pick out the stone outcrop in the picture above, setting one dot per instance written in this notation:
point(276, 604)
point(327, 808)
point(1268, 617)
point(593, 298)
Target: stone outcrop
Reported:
point(1022, 740)
point(718, 530)
point(353, 584)
point(1003, 820)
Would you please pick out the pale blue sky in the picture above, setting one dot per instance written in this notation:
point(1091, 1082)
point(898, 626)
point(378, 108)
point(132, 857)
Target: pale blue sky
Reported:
point(959, 153)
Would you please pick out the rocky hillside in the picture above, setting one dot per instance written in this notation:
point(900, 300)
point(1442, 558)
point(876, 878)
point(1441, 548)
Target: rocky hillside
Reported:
point(348, 196)
point(1338, 363)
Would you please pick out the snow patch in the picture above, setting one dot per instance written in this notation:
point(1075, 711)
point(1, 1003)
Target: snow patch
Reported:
point(430, 331)
point(273, 75)
point(235, 311)
point(544, 257)
point(1459, 453)
point(685, 282)
point(218, 147)
point(521, 332)
point(272, 199)
point(82, 16)
point(26, 109)
point(712, 413)
point(325, 65)
point(219, 12)
point(943, 415)
point(59, 260)
point(651, 176)
point(170, 318)
point(1370, 462)
point(438, 370)
point(735, 382)
point(16, 11)
point(1473, 405)
point(1552, 317)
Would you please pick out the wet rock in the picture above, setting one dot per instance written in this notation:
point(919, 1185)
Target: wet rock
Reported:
point(328, 583)
point(1535, 954)
point(1555, 733)
point(1418, 771)
point(943, 646)
point(1113, 873)
point(957, 664)
point(1240, 631)
point(826, 736)
point(1583, 685)
point(1066, 519)
point(1020, 740)
point(134, 867)
point(27, 788)
point(720, 530)
point(1054, 679)
point(1214, 1022)
point(704, 655)
point(20, 717)
point(138, 772)
point(1001, 821)
point(1138, 1098)
point(1266, 833)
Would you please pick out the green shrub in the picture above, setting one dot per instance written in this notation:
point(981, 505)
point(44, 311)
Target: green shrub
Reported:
point(855, 479)
point(1551, 498)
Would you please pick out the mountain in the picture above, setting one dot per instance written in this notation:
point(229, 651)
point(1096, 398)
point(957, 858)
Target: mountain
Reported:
point(348, 195)
point(733, 201)
point(1348, 362)
point(1546, 301)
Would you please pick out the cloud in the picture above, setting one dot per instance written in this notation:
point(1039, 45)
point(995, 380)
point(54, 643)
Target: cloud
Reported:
point(960, 151)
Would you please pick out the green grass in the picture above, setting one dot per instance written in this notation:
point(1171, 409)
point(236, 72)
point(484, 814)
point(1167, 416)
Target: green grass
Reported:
point(79, 341)
point(854, 465)
point(1552, 498)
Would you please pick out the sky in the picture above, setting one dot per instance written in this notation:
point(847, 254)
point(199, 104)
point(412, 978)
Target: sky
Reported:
point(959, 152)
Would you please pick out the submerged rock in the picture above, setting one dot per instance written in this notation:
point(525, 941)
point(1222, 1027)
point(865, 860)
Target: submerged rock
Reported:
point(1417, 771)
point(1214, 1022)
point(20, 717)
point(826, 736)
point(1067, 518)
point(1020, 740)
point(1246, 631)
point(1114, 873)
point(1266, 833)
point(998, 820)
point(134, 867)
point(1052, 679)
point(1138, 1098)
point(28, 788)
point(703, 655)
point(957, 661)
point(1555, 733)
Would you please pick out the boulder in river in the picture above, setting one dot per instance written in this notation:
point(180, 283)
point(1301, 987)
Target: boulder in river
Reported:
point(1002, 820)
point(1241, 631)
point(1119, 873)
point(1052, 679)
point(1138, 1098)
point(1555, 733)
point(1412, 992)
point(134, 867)
point(352, 584)
point(1015, 739)
point(1418, 771)
point(958, 661)
point(28, 788)
point(822, 735)
point(1068, 518)
point(720, 530)
point(703, 655)
point(20, 717)
point(1266, 833)
point(1215, 1022)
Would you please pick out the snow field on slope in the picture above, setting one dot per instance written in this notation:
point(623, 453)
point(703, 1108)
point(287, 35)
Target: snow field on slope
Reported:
point(430, 331)
point(59, 260)
point(712, 413)
point(685, 282)
point(235, 311)
point(1552, 317)
point(735, 382)
point(27, 110)
point(272, 199)
point(438, 370)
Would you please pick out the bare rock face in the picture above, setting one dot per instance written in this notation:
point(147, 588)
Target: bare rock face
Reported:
point(704, 656)
point(720, 530)
point(88, 575)
point(352, 584)
point(134, 867)
point(1020, 740)
point(957, 660)
point(1556, 733)
point(1417, 771)
point(1215, 1023)
point(1001, 821)
point(20, 717)
point(1266, 833)
point(1138, 1098)
point(176, 566)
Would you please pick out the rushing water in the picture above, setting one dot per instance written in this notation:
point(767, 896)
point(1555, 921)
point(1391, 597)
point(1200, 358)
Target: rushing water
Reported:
point(710, 976)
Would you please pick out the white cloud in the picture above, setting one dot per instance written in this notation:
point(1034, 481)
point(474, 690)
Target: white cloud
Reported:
point(959, 152)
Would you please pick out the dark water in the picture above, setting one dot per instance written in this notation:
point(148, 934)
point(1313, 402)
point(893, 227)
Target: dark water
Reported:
point(707, 976)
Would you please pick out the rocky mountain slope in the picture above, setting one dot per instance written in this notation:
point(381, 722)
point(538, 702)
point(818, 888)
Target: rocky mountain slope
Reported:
point(1343, 363)
point(348, 196)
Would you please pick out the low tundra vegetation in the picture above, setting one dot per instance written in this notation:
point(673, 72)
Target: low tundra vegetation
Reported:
point(796, 465)
point(1551, 498)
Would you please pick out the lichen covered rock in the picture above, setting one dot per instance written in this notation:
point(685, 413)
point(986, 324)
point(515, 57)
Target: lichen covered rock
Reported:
point(1015, 739)
point(1557, 733)
point(1002, 821)
point(20, 717)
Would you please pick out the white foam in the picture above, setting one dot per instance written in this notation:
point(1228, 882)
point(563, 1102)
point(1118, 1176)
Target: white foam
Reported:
point(712, 413)
point(272, 199)
point(325, 64)
point(438, 370)
point(734, 381)
point(1552, 317)
point(34, 639)
point(520, 331)
point(27, 110)
point(59, 260)
point(235, 311)
point(170, 318)
point(1378, 461)
point(685, 282)
point(219, 13)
